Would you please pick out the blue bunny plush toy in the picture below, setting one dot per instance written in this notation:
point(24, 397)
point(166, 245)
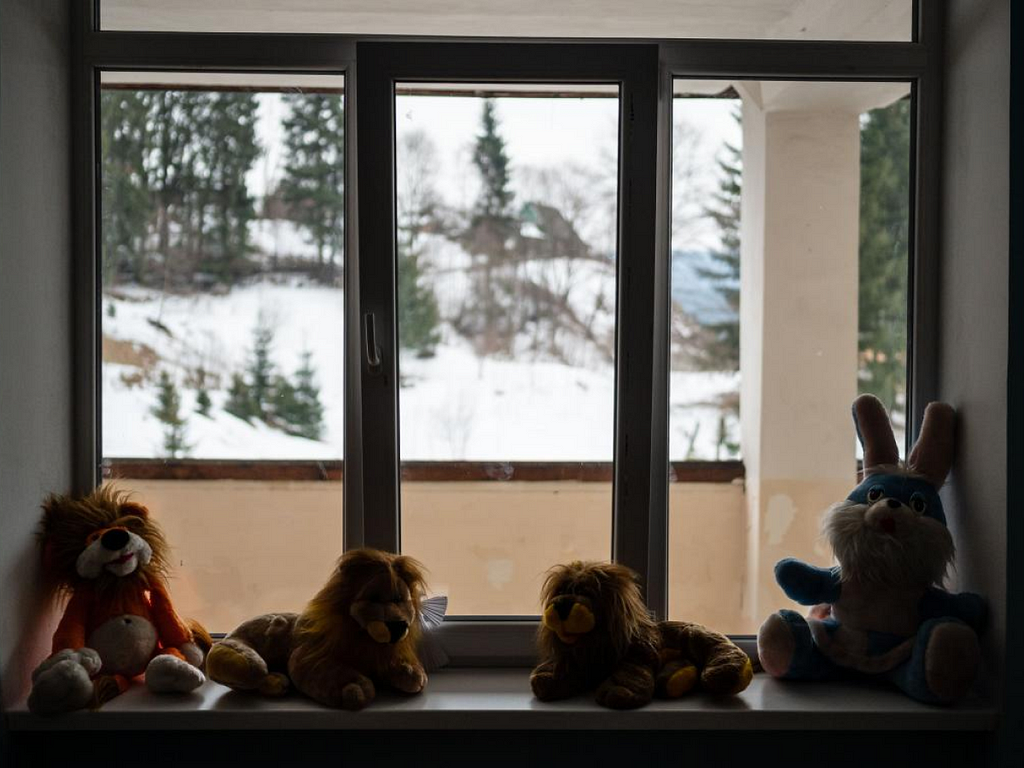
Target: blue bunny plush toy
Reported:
point(882, 611)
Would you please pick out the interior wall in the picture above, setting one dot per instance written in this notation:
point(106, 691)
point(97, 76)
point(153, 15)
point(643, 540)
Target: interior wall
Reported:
point(35, 348)
point(973, 333)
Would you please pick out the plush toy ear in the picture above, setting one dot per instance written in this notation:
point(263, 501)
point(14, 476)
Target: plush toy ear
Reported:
point(932, 455)
point(875, 434)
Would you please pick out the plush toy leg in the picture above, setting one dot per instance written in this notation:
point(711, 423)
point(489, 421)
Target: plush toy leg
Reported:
point(235, 664)
point(787, 650)
point(64, 682)
point(550, 684)
point(330, 683)
point(170, 673)
point(407, 678)
point(630, 686)
point(944, 663)
point(676, 678)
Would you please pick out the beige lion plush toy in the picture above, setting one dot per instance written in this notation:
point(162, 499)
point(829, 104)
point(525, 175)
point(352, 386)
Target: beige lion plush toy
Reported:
point(361, 630)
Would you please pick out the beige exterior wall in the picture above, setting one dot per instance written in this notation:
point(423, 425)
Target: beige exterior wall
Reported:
point(241, 548)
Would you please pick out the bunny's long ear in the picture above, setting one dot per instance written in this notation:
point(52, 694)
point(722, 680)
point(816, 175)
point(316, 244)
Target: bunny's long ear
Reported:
point(875, 434)
point(932, 455)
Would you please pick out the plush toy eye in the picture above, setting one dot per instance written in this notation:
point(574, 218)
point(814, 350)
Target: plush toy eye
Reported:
point(918, 504)
point(875, 493)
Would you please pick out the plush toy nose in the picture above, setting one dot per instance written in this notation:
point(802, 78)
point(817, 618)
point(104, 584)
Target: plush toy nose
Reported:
point(563, 607)
point(397, 629)
point(114, 540)
point(893, 503)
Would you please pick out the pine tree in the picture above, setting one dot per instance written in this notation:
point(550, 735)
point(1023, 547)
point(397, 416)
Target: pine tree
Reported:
point(418, 316)
point(416, 198)
point(167, 410)
point(299, 405)
point(203, 401)
point(722, 352)
point(240, 402)
point(261, 371)
point(491, 160)
point(314, 173)
point(884, 222)
point(124, 136)
point(228, 150)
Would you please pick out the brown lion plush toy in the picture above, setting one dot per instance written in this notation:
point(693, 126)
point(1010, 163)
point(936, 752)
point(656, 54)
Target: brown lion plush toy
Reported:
point(361, 629)
point(108, 556)
point(597, 634)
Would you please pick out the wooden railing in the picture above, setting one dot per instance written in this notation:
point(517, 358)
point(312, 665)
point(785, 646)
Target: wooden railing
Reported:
point(412, 471)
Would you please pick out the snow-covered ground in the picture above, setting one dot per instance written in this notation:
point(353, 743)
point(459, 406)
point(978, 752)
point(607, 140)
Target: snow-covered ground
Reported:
point(453, 405)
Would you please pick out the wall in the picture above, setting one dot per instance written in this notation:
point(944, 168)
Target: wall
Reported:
point(974, 294)
point(35, 349)
point(242, 548)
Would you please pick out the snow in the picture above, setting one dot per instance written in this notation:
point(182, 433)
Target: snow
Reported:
point(453, 406)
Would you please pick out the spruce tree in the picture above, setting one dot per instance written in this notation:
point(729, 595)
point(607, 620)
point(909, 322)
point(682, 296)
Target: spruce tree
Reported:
point(203, 401)
point(168, 411)
point(884, 222)
point(126, 205)
point(298, 404)
point(314, 172)
point(418, 316)
point(228, 149)
point(722, 352)
point(491, 160)
point(261, 371)
point(239, 402)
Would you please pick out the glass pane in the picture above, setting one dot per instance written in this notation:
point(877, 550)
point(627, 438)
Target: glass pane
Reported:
point(506, 309)
point(789, 286)
point(222, 307)
point(739, 19)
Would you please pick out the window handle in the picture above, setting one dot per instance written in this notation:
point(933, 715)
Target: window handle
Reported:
point(373, 358)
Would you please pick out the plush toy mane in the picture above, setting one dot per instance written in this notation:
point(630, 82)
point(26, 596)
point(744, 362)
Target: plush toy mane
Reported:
point(623, 621)
point(68, 521)
point(327, 630)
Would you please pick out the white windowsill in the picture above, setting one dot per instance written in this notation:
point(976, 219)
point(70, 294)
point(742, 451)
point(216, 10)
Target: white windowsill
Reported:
point(489, 699)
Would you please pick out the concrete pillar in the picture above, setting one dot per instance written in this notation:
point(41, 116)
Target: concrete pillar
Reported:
point(798, 324)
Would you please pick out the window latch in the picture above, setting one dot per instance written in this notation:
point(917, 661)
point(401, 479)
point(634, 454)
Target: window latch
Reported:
point(373, 353)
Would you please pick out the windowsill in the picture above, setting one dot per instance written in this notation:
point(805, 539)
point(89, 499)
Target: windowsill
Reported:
point(494, 699)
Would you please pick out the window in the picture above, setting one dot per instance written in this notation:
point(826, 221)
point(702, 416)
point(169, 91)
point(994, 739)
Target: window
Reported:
point(499, 387)
point(789, 268)
point(222, 317)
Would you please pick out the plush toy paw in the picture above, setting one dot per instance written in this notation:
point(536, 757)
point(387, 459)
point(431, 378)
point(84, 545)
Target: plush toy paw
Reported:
point(358, 694)
point(63, 682)
point(616, 696)
point(236, 665)
point(408, 679)
point(193, 654)
point(169, 674)
point(274, 684)
point(776, 645)
point(951, 661)
point(546, 686)
point(728, 678)
point(677, 680)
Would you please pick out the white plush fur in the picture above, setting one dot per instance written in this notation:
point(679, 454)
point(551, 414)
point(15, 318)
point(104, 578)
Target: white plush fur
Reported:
point(917, 553)
point(64, 681)
point(95, 558)
point(169, 674)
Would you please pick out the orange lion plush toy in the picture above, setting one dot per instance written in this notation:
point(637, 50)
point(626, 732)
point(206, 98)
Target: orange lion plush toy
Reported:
point(597, 635)
point(360, 630)
point(109, 558)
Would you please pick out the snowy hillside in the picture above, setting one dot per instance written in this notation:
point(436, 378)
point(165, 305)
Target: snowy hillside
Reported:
point(455, 405)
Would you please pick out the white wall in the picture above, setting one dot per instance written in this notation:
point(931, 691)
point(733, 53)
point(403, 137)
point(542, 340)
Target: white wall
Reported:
point(974, 296)
point(35, 346)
